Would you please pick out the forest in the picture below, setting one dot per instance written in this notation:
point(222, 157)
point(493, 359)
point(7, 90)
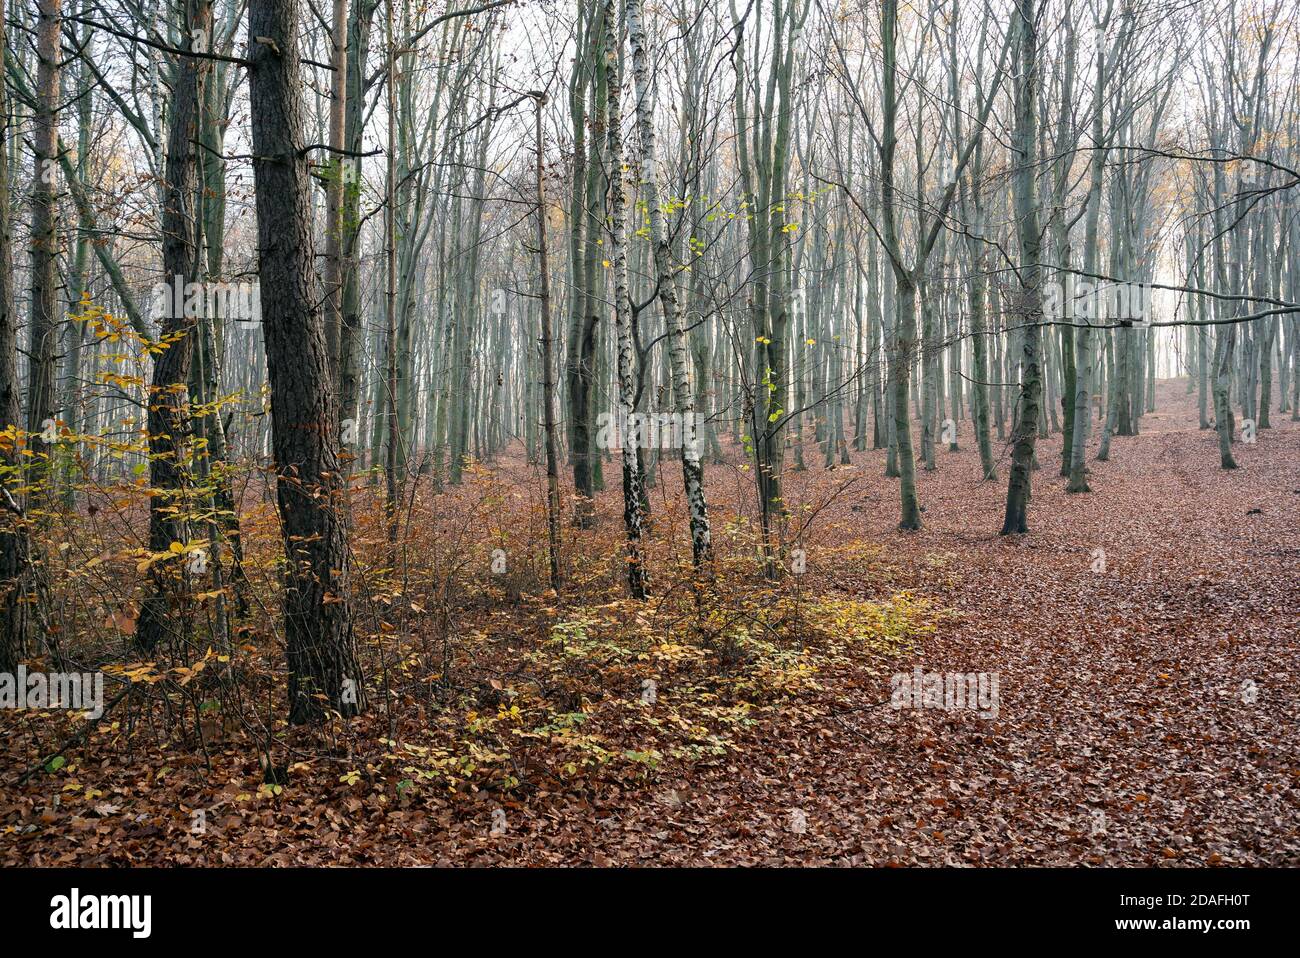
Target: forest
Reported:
point(650, 433)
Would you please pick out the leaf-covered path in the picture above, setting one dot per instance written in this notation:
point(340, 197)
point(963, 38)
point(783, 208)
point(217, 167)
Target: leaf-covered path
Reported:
point(1148, 713)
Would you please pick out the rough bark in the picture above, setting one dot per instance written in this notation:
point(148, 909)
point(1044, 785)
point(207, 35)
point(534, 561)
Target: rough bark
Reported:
point(168, 414)
point(320, 645)
point(14, 538)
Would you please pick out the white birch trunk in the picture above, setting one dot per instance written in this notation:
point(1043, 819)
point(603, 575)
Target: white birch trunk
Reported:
point(683, 395)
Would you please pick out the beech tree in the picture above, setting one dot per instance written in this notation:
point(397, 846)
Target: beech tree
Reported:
point(1029, 300)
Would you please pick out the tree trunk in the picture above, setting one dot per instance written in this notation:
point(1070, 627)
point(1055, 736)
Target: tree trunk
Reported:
point(632, 489)
point(1031, 311)
point(14, 540)
point(548, 360)
point(168, 416)
point(669, 300)
point(41, 400)
point(339, 168)
point(350, 329)
point(321, 647)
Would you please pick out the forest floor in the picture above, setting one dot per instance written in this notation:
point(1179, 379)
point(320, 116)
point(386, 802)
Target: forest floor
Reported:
point(1148, 703)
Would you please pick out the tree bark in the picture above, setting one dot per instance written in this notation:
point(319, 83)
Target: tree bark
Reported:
point(168, 415)
point(321, 647)
point(669, 300)
point(1031, 311)
point(637, 579)
point(14, 539)
point(41, 400)
point(548, 359)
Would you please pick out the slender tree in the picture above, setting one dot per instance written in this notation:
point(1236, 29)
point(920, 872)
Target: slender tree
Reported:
point(1030, 312)
point(669, 295)
point(548, 358)
point(168, 417)
point(14, 536)
point(637, 578)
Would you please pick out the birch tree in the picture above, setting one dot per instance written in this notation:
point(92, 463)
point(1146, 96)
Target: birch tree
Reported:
point(632, 483)
point(667, 291)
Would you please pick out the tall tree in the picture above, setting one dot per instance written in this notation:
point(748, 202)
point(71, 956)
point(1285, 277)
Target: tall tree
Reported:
point(14, 538)
point(168, 416)
point(548, 349)
point(320, 644)
point(669, 295)
point(43, 332)
point(1076, 439)
point(340, 168)
point(591, 175)
point(638, 580)
point(1029, 298)
point(930, 222)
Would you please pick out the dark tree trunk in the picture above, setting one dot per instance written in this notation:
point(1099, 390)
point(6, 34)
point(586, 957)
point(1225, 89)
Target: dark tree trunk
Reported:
point(1030, 315)
point(321, 647)
point(548, 357)
point(13, 527)
point(168, 420)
